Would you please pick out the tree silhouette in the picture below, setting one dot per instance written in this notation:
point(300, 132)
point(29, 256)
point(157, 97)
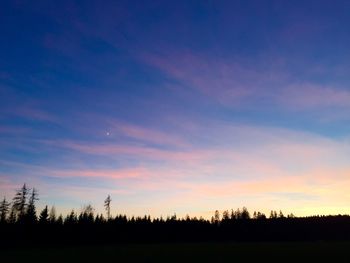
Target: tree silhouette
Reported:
point(44, 216)
point(236, 225)
point(4, 209)
point(273, 214)
point(107, 206)
point(52, 215)
point(225, 215)
point(260, 216)
point(59, 220)
point(87, 214)
point(216, 218)
point(236, 214)
point(280, 214)
point(71, 219)
point(99, 219)
point(291, 215)
point(245, 214)
point(12, 217)
point(31, 210)
point(20, 202)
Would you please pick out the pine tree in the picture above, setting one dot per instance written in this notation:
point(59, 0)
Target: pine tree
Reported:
point(273, 214)
point(20, 202)
point(99, 219)
point(217, 217)
point(87, 214)
point(261, 216)
point(107, 206)
point(12, 219)
point(31, 211)
point(59, 220)
point(71, 218)
point(4, 209)
point(280, 215)
point(44, 216)
point(232, 215)
point(225, 215)
point(52, 215)
point(245, 215)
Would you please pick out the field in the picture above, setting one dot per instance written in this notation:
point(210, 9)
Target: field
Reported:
point(199, 252)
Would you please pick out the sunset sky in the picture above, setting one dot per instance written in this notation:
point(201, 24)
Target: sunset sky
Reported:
point(177, 106)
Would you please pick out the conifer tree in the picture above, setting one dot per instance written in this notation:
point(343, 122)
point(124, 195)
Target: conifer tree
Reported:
point(245, 214)
point(12, 217)
point(4, 209)
point(87, 214)
point(71, 218)
point(31, 210)
point(20, 202)
point(280, 215)
point(52, 215)
point(225, 215)
point(59, 220)
point(44, 216)
point(217, 217)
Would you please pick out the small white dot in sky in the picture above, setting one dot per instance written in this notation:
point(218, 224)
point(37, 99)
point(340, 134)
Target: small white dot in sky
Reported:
point(107, 133)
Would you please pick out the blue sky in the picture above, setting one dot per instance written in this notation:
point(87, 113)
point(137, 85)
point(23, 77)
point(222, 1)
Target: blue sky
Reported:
point(186, 106)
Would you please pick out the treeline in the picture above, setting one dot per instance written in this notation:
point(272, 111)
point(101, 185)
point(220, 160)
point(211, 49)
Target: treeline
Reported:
point(22, 210)
point(21, 224)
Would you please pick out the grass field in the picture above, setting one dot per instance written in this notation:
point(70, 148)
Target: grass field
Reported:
point(199, 252)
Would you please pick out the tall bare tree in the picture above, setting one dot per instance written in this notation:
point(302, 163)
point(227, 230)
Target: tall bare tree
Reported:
point(107, 206)
point(20, 202)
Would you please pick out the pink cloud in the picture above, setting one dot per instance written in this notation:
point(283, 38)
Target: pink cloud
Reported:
point(7, 186)
point(234, 84)
point(310, 96)
point(128, 173)
point(23, 106)
point(227, 81)
point(212, 77)
point(146, 134)
point(222, 176)
point(112, 129)
point(151, 153)
point(34, 113)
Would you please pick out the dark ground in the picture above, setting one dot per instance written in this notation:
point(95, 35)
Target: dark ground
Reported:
point(185, 252)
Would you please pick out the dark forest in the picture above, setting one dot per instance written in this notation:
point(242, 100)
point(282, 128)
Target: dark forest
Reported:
point(22, 225)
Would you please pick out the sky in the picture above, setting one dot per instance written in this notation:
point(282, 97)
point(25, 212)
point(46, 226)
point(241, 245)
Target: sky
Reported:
point(177, 106)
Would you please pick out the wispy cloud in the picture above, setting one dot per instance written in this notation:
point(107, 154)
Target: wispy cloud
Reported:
point(144, 134)
point(17, 104)
point(240, 84)
point(244, 162)
point(221, 109)
point(139, 151)
point(226, 81)
point(308, 96)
